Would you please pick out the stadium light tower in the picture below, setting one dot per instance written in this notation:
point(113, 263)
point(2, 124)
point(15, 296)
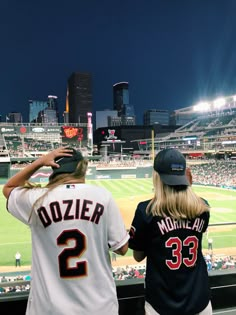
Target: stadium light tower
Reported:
point(90, 132)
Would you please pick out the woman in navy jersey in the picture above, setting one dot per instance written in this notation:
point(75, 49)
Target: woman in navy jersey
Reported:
point(167, 230)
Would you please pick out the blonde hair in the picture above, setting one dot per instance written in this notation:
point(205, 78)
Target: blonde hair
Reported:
point(78, 176)
point(178, 202)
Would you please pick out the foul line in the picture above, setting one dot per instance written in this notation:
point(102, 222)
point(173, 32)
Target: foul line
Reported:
point(214, 235)
point(15, 243)
point(225, 311)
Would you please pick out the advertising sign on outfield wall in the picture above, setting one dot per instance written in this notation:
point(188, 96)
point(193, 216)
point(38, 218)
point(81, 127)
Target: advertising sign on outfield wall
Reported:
point(103, 177)
point(128, 176)
point(7, 130)
point(140, 172)
point(29, 130)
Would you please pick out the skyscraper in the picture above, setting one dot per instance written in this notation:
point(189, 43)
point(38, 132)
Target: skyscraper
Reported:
point(102, 117)
point(156, 116)
point(14, 117)
point(121, 103)
point(43, 111)
point(120, 97)
point(79, 97)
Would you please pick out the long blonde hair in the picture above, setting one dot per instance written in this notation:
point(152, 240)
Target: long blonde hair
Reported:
point(78, 176)
point(178, 202)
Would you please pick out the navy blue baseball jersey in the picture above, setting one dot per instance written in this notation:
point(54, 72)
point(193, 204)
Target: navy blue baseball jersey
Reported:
point(176, 273)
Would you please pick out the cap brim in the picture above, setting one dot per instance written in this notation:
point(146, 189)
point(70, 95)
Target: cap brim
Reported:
point(174, 180)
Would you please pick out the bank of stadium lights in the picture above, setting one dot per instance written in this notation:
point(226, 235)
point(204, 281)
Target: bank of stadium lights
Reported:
point(219, 102)
point(216, 104)
point(201, 107)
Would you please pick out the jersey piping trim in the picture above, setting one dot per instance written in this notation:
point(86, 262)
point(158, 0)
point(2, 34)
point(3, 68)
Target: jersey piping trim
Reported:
point(121, 243)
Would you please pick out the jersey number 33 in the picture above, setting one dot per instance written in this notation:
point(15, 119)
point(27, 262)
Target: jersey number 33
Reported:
point(176, 244)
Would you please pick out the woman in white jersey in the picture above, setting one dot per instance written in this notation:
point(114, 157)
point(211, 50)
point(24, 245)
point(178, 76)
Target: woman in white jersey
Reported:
point(73, 227)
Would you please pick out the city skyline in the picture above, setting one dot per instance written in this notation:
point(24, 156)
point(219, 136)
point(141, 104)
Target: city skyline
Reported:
point(173, 53)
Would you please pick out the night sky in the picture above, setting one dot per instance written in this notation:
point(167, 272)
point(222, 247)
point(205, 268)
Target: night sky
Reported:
point(173, 53)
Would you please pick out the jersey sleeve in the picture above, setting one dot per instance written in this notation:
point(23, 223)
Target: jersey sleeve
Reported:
point(139, 229)
point(20, 202)
point(117, 233)
point(206, 216)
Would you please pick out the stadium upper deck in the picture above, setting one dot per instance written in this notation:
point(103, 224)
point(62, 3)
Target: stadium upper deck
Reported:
point(211, 133)
point(30, 140)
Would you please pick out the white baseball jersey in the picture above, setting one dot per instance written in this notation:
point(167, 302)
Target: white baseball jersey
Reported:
point(72, 229)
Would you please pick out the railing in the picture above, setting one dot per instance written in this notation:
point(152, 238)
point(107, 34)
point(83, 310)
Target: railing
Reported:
point(131, 296)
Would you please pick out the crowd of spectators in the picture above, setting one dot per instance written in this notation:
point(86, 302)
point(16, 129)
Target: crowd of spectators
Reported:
point(129, 272)
point(121, 163)
point(102, 164)
point(220, 263)
point(214, 262)
point(219, 173)
point(10, 285)
point(17, 148)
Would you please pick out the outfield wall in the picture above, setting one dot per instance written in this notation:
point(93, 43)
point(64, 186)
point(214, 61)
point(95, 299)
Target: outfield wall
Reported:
point(97, 173)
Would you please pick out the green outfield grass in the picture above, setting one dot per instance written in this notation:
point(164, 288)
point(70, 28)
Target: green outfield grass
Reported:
point(15, 236)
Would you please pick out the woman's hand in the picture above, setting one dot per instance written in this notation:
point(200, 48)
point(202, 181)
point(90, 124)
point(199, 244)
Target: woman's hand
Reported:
point(49, 158)
point(19, 179)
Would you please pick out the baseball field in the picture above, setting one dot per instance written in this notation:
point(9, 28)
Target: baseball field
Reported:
point(15, 236)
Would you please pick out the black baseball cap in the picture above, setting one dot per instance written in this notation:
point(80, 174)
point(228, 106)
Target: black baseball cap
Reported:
point(170, 164)
point(68, 164)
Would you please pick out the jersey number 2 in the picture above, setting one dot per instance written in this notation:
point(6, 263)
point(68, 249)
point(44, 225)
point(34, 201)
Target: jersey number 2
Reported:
point(72, 252)
point(176, 244)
